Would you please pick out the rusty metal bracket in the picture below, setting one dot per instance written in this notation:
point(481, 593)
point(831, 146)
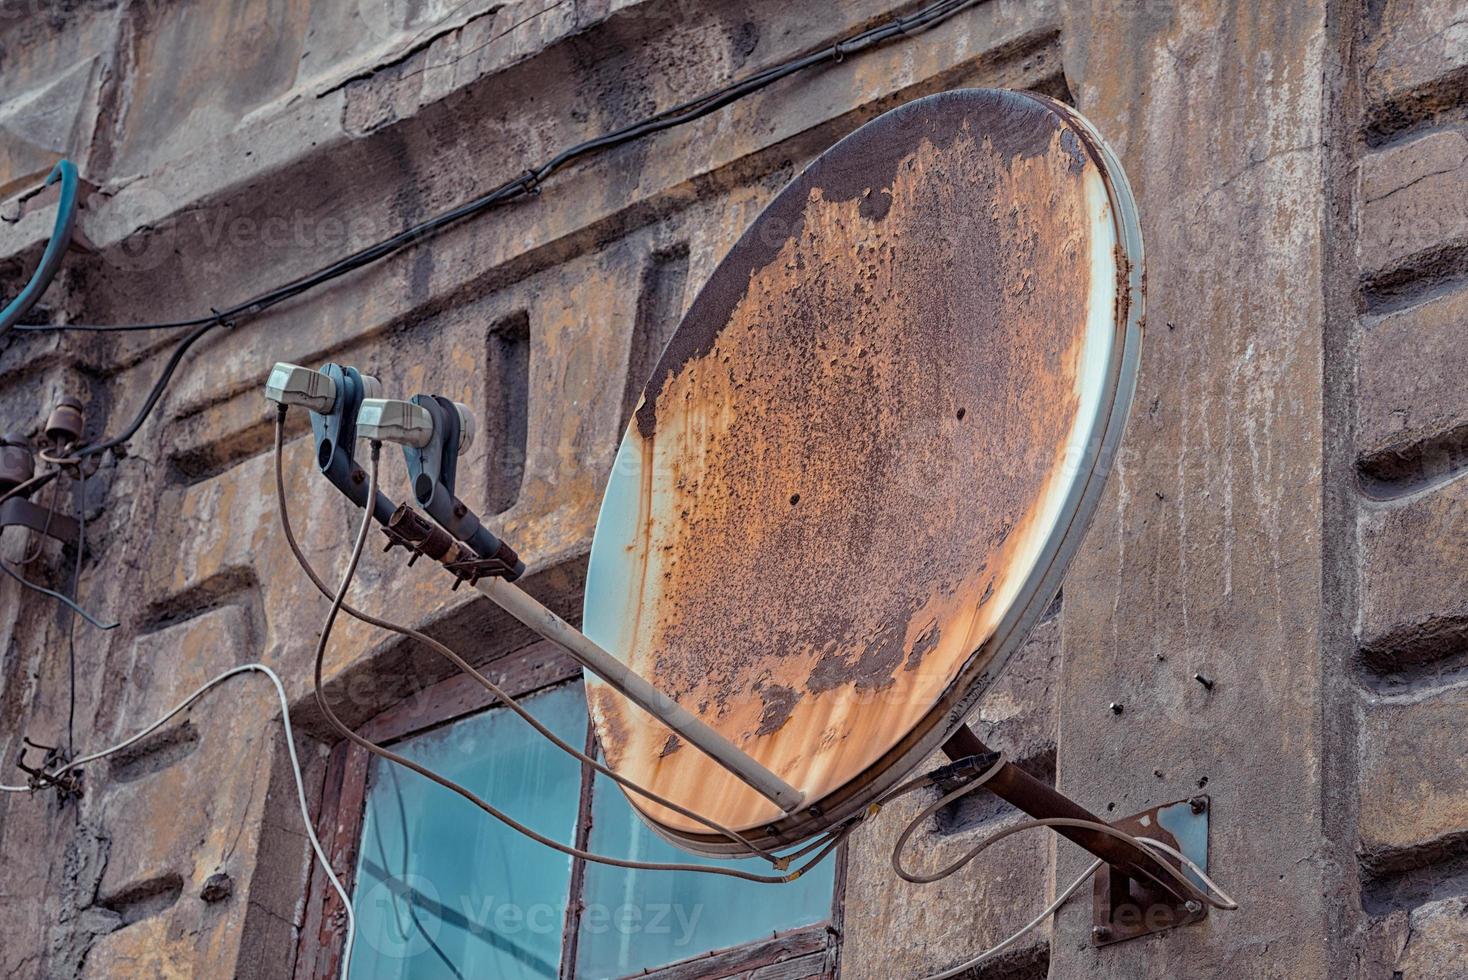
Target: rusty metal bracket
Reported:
point(1039, 799)
point(408, 529)
point(20, 512)
point(1124, 908)
point(68, 785)
point(1133, 895)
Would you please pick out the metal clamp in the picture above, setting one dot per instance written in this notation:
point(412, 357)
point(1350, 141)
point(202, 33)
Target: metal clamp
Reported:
point(336, 438)
point(407, 529)
point(20, 512)
point(67, 784)
point(433, 470)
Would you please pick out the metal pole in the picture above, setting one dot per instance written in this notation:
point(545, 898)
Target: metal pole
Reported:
point(1023, 791)
point(518, 603)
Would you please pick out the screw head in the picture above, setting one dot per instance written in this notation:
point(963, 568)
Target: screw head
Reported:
point(1193, 906)
point(1100, 933)
point(1117, 707)
point(1198, 804)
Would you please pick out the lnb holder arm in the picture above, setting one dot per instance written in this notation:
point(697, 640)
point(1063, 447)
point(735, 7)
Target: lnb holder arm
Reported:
point(433, 470)
point(336, 434)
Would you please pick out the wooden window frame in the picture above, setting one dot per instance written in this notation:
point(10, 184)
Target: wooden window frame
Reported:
point(806, 953)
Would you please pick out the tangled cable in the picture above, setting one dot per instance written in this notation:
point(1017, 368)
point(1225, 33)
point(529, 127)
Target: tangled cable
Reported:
point(526, 184)
point(1146, 845)
point(290, 744)
point(823, 845)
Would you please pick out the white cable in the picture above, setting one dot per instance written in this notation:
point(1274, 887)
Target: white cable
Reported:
point(1015, 937)
point(1225, 902)
point(290, 744)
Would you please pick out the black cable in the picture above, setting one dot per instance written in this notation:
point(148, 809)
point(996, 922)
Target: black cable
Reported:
point(525, 184)
point(108, 327)
point(76, 594)
point(57, 596)
point(156, 392)
point(528, 182)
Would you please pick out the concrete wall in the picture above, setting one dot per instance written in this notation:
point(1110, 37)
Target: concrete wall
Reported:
point(1287, 517)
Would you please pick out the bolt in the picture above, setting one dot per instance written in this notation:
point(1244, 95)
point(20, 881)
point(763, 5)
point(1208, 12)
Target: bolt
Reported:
point(1198, 804)
point(1205, 681)
point(1192, 906)
point(1100, 933)
point(1117, 707)
point(217, 888)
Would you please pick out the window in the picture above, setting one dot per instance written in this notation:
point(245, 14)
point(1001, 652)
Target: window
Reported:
point(441, 890)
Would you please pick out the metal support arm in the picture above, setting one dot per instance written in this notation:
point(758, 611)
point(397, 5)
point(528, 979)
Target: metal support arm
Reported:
point(518, 603)
point(1024, 792)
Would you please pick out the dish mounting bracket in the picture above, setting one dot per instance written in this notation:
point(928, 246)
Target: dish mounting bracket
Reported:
point(1133, 895)
point(1123, 908)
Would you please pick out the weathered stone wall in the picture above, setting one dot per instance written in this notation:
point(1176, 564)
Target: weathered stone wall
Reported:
point(1285, 516)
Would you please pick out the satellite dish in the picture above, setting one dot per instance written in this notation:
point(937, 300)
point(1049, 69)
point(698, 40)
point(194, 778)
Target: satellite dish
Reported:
point(863, 462)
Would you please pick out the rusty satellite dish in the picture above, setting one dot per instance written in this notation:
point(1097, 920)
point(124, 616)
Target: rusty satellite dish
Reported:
point(865, 458)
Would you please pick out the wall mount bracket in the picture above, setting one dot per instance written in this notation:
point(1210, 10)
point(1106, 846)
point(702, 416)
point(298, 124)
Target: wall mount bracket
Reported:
point(1123, 908)
point(20, 512)
point(1134, 896)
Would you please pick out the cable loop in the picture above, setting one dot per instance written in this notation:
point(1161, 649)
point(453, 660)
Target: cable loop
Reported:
point(826, 842)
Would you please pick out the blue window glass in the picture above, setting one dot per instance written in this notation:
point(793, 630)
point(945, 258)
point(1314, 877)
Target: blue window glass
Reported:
point(636, 920)
point(445, 891)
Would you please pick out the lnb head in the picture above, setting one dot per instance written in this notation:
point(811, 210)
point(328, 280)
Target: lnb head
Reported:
point(466, 427)
point(291, 384)
point(391, 420)
point(408, 423)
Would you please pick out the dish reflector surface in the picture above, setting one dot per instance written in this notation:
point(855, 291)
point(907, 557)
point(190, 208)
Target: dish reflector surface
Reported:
point(863, 460)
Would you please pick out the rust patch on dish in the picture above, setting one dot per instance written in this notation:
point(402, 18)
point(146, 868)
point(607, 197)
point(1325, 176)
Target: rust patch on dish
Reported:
point(852, 444)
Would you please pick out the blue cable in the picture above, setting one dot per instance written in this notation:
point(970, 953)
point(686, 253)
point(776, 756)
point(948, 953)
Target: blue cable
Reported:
point(55, 248)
